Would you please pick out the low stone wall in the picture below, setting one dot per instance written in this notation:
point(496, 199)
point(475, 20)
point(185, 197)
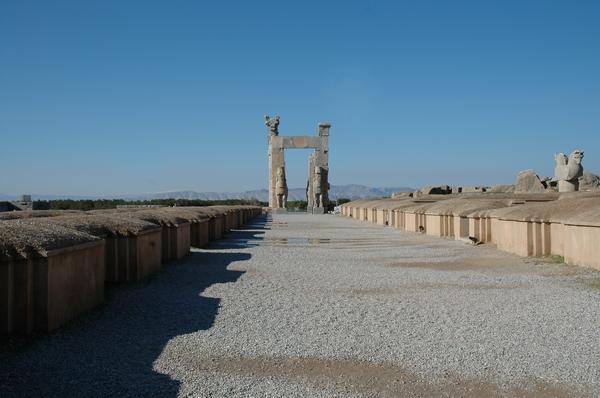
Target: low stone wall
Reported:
point(47, 282)
point(54, 269)
point(67, 282)
point(580, 245)
point(175, 242)
point(528, 225)
point(219, 227)
point(199, 236)
point(145, 253)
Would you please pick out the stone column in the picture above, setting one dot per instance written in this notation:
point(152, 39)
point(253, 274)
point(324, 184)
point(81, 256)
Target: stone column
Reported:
point(276, 160)
point(568, 170)
point(275, 154)
point(311, 178)
point(321, 160)
point(568, 186)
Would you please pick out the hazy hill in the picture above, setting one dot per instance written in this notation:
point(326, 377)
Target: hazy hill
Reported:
point(337, 191)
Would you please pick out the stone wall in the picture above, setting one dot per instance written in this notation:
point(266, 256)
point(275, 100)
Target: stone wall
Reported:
point(42, 289)
point(565, 225)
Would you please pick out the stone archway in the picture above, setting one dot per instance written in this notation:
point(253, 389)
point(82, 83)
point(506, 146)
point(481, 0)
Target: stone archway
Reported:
point(318, 166)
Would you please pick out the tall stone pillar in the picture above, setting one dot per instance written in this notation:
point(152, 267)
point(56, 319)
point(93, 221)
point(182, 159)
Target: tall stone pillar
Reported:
point(310, 195)
point(276, 157)
point(320, 163)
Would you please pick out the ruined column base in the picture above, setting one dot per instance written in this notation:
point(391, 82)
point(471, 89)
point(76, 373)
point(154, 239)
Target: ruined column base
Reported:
point(318, 210)
point(568, 186)
point(279, 210)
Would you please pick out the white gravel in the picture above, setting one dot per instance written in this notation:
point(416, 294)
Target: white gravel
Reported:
point(233, 319)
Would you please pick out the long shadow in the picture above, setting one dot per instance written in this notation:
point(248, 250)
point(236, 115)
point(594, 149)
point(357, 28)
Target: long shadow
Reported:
point(111, 351)
point(250, 236)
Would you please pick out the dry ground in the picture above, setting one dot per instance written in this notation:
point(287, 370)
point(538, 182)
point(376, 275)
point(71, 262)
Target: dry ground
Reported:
point(324, 306)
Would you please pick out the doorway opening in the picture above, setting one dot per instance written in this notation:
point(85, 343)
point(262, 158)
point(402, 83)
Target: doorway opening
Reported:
point(297, 172)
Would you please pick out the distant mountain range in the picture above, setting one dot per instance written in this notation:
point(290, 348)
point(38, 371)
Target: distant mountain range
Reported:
point(336, 192)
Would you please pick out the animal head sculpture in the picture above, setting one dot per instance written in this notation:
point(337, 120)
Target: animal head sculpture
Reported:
point(576, 156)
point(272, 124)
point(561, 159)
point(568, 169)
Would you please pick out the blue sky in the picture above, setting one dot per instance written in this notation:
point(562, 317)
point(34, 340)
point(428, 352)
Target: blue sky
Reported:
point(127, 97)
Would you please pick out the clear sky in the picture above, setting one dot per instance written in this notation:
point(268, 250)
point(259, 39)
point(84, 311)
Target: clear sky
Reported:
point(105, 97)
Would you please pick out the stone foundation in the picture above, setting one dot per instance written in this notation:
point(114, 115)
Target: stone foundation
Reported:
point(543, 226)
point(42, 291)
point(133, 258)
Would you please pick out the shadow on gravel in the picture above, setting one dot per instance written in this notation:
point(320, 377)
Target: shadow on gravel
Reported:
point(244, 238)
point(238, 240)
point(111, 351)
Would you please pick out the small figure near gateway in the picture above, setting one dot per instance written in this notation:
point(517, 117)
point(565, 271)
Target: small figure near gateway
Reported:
point(281, 189)
point(321, 187)
point(568, 170)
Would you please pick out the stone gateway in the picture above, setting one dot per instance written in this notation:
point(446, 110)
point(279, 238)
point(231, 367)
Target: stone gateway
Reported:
point(318, 166)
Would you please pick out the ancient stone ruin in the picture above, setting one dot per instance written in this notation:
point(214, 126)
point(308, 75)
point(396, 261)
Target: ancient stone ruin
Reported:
point(564, 225)
point(567, 171)
point(281, 189)
point(529, 181)
point(54, 265)
point(318, 166)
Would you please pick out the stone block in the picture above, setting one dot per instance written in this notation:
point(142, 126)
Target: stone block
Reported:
point(436, 190)
point(528, 181)
point(67, 283)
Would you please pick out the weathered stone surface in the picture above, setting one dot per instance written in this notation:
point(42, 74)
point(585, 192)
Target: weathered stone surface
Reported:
point(473, 189)
point(272, 124)
point(568, 170)
point(528, 181)
point(589, 182)
point(436, 190)
point(281, 189)
point(320, 187)
point(318, 160)
point(503, 188)
point(398, 195)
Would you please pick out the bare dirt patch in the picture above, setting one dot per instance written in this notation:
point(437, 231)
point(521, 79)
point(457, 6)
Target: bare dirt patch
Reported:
point(375, 380)
point(424, 286)
point(495, 262)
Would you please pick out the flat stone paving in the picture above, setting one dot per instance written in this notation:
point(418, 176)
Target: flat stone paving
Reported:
point(325, 306)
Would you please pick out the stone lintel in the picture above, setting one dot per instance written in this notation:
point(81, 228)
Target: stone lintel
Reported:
point(299, 141)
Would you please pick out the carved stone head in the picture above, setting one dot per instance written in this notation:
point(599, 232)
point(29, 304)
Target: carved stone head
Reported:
point(560, 159)
point(576, 156)
point(272, 124)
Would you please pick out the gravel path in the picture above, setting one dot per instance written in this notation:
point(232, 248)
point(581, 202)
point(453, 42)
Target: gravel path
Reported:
point(325, 306)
